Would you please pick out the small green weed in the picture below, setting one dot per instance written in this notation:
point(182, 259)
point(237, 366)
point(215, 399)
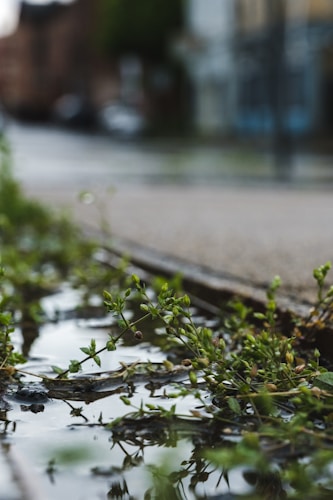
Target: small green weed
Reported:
point(8, 355)
point(277, 399)
point(39, 249)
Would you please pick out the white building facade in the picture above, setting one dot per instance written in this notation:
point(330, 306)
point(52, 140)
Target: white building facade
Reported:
point(208, 53)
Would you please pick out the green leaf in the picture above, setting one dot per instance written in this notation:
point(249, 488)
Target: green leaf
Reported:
point(85, 350)
point(234, 406)
point(111, 345)
point(125, 400)
point(5, 319)
point(97, 360)
point(186, 301)
point(259, 316)
point(107, 295)
point(135, 279)
point(57, 369)
point(150, 406)
point(114, 422)
point(324, 381)
point(193, 377)
point(122, 324)
point(74, 366)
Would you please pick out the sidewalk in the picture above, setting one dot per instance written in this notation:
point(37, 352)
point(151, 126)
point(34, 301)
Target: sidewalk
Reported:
point(245, 234)
point(204, 216)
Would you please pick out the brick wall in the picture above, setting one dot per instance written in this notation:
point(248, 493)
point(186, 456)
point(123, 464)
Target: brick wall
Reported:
point(46, 57)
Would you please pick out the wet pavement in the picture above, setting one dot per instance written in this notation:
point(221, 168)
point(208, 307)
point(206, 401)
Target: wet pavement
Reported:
point(209, 205)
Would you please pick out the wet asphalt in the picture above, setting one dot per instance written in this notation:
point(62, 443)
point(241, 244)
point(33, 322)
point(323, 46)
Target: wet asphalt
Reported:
point(218, 207)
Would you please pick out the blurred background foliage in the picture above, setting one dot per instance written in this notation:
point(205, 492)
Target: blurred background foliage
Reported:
point(141, 27)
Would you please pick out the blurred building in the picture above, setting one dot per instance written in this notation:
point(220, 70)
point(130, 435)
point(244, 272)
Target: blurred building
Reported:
point(284, 53)
point(45, 57)
point(254, 66)
point(258, 66)
point(51, 62)
point(207, 49)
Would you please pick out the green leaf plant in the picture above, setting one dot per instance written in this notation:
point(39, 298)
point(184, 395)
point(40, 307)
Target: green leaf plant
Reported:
point(260, 372)
point(39, 248)
point(254, 381)
point(9, 357)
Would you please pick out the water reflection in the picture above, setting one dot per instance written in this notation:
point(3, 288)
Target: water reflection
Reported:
point(30, 332)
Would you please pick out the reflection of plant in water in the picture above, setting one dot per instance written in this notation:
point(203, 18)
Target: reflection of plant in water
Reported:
point(76, 411)
point(118, 490)
point(173, 476)
point(196, 471)
point(295, 479)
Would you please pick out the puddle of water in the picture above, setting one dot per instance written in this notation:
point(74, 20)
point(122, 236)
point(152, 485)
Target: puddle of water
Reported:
point(63, 443)
point(8, 487)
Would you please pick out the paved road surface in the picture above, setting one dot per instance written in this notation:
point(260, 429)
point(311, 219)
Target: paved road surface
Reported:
point(210, 206)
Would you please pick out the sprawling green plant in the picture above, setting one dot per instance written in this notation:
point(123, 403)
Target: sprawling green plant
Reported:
point(266, 388)
point(8, 355)
point(39, 248)
point(255, 370)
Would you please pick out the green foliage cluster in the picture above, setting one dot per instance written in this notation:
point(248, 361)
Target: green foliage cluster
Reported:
point(245, 366)
point(266, 388)
point(251, 380)
point(8, 355)
point(38, 250)
point(38, 247)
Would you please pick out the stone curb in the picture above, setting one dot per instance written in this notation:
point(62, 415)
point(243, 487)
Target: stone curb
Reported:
point(211, 288)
